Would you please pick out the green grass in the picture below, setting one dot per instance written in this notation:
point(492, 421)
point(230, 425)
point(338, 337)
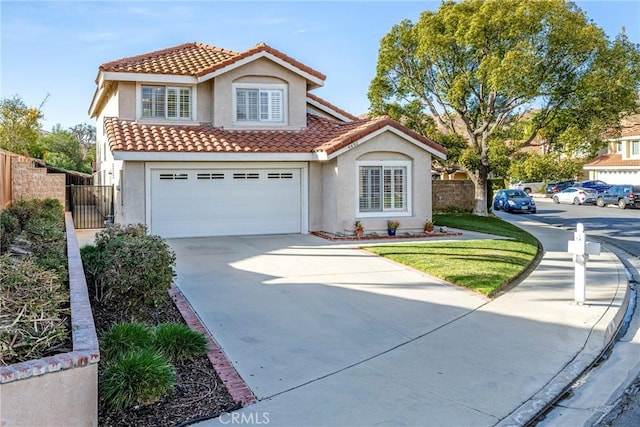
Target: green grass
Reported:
point(485, 266)
point(489, 225)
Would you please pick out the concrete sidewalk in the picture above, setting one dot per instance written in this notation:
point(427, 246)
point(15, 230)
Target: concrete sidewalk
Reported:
point(327, 335)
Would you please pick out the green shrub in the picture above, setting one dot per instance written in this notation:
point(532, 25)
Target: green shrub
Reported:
point(138, 377)
point(177, 342)
point(118, 230)
point(452, 210)
point(130, 269)
point(125, 337)
point(93, 263)
point(34, 307)
point(9, 229)
point(23, 210)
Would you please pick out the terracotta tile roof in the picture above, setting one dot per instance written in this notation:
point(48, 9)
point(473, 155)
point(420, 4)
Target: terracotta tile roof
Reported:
point(321, 135)
point(262, 47)
point(187, 59)
point(632, 130)
point(194, 59)
point(331, 106)
point(612, 160)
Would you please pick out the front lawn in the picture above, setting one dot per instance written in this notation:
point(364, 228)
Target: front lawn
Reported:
point(485, 266)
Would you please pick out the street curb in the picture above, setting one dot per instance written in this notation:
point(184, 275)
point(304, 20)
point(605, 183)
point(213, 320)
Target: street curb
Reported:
point(597, 343)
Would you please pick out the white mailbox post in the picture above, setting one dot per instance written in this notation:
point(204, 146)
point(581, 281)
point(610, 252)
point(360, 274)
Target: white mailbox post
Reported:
point(581, 249)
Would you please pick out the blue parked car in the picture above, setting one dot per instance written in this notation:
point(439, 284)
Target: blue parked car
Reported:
point(597, 185)
point(514, 201)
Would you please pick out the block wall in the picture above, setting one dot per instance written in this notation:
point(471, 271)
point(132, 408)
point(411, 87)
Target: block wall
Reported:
point(29, 182)
point(459, 193)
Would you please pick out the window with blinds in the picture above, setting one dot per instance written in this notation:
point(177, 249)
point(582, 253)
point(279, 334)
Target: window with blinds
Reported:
point(166, 102)
point(259, 105)
point(382, 189)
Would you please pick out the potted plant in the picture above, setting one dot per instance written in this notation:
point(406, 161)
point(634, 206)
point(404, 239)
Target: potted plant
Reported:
point(358, 229)
point(392, 226)
point(428, 226)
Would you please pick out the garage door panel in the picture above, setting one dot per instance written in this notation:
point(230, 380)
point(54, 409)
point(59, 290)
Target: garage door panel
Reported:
point(189, 203)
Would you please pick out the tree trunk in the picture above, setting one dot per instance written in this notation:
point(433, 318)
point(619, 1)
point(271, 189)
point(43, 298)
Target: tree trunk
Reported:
point(479, 178)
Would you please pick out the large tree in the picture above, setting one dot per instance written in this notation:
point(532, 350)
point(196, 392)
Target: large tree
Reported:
point(477, 66)
point(20, 127)
point(71, 149)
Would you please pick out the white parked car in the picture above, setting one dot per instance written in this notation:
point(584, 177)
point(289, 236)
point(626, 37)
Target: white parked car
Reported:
point(528, 187)
point(576, 195)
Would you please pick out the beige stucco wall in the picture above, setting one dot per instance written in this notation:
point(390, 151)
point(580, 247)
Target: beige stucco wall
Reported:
point(260, 71)
point(64, 398)
point(340, 185)
point(127, 100)
point(330, 191)
point(103, 154)
point(316, 202)
point(204, 102)
point(130, 202)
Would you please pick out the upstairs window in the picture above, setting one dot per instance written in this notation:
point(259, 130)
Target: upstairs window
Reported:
point(259, 105)
point(635, 148)
point(165, 102)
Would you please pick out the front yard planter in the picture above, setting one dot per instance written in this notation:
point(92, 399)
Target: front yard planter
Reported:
point(60, 389)
point(374, 236)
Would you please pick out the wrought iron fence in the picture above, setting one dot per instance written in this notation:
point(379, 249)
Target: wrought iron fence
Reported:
point(90, 205)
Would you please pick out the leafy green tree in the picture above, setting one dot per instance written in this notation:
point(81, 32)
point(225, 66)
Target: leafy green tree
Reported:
point(479, 66)
point(20, 127)
point(86, 134)
point(537, 167)
point(63, 149)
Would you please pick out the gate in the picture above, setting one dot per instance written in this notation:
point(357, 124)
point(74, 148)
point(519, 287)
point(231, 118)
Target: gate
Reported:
point(91, 206)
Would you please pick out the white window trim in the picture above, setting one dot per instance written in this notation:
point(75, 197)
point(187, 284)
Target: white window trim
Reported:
point(194, 103)
point(631, 155)
point(383, 214)
point(264, 86)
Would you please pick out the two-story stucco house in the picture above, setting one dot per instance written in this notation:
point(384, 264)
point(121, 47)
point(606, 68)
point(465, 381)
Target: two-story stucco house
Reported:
point(620, 163)
point(203, 141)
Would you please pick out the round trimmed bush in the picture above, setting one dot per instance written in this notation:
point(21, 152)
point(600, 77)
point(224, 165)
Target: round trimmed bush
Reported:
point(137, 378)
point(130, 270)
point(178, 343)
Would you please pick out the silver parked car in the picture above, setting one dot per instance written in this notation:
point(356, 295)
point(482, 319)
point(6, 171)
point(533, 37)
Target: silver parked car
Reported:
point(576, 195)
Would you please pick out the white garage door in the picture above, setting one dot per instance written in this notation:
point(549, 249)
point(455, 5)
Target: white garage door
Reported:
point(191, 203)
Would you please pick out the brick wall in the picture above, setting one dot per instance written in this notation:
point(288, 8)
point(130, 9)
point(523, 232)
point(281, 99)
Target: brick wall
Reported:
point(459, 193)
point(28, 182)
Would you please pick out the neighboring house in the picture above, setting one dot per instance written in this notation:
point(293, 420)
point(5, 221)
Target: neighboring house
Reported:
point(203, 141)
point(620, 164)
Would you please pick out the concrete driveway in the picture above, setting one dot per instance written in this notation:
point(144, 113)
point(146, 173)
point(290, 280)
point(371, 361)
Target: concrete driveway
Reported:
point(289, 310)
point(328, 335)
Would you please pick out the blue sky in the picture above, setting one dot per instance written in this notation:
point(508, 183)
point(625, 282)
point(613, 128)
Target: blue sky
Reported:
point(55, 47)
